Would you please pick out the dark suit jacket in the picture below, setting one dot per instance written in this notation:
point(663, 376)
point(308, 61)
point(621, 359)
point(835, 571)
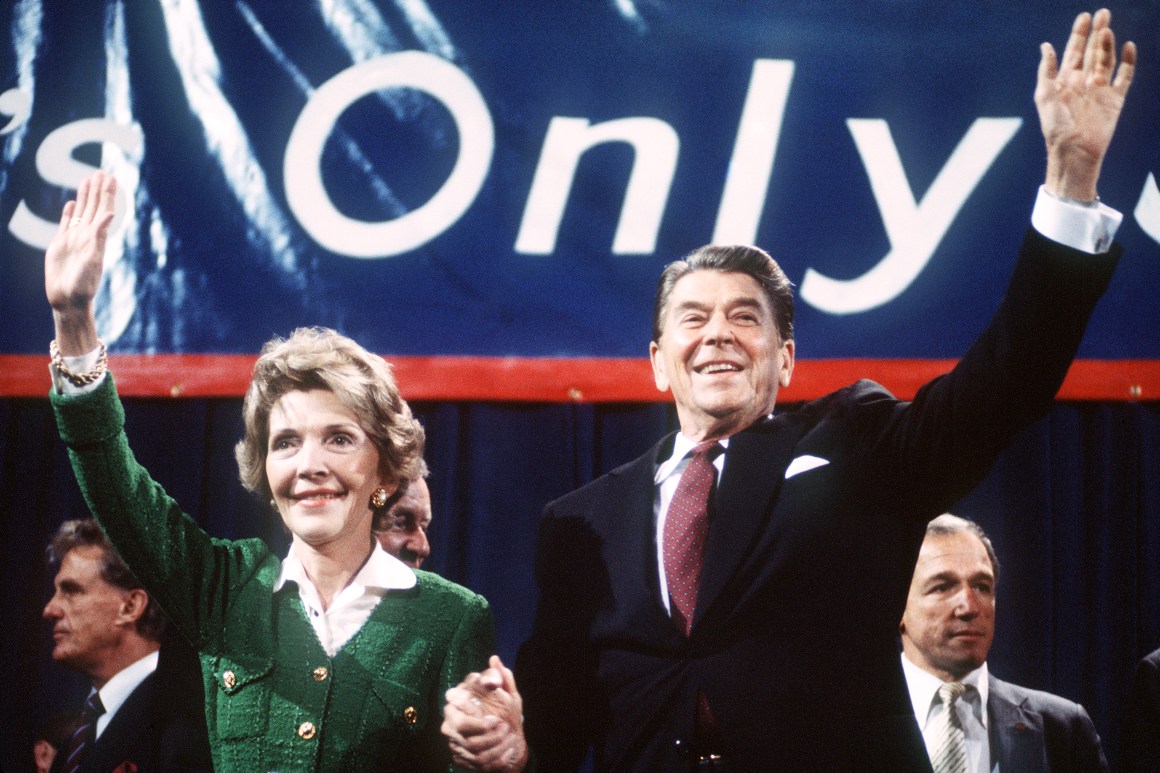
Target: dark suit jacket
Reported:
point(1037, 732)
point(1142, 719)
point(160, 726)
point(794, 638)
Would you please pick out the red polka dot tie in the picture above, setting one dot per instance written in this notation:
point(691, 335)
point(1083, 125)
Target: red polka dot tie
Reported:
point(686, 527)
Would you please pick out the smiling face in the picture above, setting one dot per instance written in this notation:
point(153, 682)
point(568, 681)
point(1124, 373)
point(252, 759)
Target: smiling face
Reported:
point(402, 530)
point(90, 615)
point(720, 353)
point(322, 469)
point(949, 620)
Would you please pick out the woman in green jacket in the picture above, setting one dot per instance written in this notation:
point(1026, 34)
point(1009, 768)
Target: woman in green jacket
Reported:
point(334, 657)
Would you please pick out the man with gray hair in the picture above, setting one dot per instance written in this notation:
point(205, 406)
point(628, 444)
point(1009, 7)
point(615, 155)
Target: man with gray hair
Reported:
point(144, 709)
point(970, 720)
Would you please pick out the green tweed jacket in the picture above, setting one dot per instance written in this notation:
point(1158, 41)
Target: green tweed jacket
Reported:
point(274, 700)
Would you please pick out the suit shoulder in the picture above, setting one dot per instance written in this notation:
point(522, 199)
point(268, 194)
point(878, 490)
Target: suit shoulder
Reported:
point(611, 481)
point(862, 392)
point(1046, 703)
point(862, 406)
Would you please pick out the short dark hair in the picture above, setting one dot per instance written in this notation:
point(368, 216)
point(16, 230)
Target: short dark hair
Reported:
point(85, 532)
point(738, 258)
point(947, 524)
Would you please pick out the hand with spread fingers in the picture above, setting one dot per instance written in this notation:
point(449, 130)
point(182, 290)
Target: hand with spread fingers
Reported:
point(74, 261)
point(483, 721)
point(1079, 101)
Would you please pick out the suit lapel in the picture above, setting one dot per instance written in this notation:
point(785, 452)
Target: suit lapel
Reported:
point(121, 740)
point(631, 537)
point(1016, 732)
point(755, 465)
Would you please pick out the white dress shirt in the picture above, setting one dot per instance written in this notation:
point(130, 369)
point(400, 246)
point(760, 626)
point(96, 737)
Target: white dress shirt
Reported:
point(118, 689)
point(971, 710)
point(352, 606)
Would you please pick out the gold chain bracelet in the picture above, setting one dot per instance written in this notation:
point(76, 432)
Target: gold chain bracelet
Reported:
point(79, 379)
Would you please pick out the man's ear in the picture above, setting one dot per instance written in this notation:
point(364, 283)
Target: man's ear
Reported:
point(133, 605)
point(785, 372)
point(660, 378)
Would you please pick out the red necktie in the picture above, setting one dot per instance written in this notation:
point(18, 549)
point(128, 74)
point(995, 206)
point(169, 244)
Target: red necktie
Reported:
point(686, 527)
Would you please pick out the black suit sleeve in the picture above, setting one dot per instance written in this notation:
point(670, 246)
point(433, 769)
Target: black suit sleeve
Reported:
point(1142, 720)
point(556, 668)
point(947, 438)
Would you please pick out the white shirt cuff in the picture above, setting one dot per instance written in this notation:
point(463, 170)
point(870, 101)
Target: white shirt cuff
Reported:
point(82, 363)
point(1089, 229)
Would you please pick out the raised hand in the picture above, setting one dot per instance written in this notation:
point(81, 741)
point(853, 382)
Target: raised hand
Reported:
point(483, 721)
point(1079, 102)
point(74, 261)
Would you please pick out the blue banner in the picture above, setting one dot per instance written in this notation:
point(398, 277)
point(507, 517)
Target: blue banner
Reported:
point(444, 178)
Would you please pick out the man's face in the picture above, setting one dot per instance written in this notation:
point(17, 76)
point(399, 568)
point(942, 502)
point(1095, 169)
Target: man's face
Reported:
point(402, 531)
point(720, 353)
point(89, 614)
point(949, 620)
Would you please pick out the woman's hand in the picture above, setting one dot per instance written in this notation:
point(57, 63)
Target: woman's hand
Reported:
point(483, 721)
point(74, 261)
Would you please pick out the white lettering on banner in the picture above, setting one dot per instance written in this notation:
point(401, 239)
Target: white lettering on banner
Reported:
point(18, 104)
point(1148, 209)
point(751, 166)
point(914, 230)
point(655, 148)
point(302, 172)
point(56, 165)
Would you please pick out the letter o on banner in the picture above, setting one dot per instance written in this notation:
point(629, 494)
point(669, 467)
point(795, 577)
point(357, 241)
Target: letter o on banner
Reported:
point(307, 195)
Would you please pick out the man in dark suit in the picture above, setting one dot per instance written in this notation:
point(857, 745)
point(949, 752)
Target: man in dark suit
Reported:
point(787, 659)
point(1142, 717)
point(947, 630)
point(146, 701)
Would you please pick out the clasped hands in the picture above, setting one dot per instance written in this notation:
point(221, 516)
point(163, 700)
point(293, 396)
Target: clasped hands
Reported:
point(483, 721)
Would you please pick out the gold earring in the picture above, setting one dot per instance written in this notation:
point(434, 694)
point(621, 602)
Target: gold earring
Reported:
point(379, 498)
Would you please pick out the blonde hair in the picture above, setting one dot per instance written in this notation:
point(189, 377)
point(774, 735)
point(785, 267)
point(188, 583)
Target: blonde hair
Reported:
point(320, 358)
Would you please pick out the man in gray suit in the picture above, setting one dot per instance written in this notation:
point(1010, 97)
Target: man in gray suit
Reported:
point(947, 630)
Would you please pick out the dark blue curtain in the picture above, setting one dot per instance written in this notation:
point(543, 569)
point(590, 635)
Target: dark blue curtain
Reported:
point(1073, 507)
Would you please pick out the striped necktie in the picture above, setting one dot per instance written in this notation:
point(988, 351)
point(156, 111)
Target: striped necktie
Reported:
point(950, 742)
point(84, 734)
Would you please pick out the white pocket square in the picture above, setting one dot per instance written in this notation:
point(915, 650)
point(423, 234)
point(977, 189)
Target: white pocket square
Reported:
point(803, 463)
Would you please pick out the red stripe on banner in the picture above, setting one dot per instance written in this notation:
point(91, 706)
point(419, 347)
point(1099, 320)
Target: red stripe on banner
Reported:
point(553, 379)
